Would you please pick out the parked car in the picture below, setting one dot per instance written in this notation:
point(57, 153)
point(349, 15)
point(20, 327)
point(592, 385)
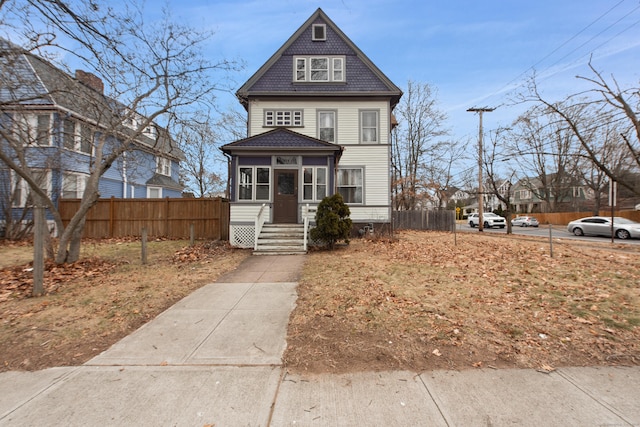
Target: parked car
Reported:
point(525, 221)
point(623, 228)
point(489, 220)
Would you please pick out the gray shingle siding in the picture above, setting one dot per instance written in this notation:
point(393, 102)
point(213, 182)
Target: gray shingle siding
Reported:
point(281, 138)
point(362, 77)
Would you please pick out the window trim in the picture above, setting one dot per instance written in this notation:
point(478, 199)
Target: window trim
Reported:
point(314, 183)
point(38, 130)
point(362, 128)
point(254, 183)
point(335, 125)
point(525, 194)
point(25, 189)
point(362, 175)
point(314, 36)
point(26, 127)
point(78, 136)
point(154, 187)
point(288, 118)
point(306, 70)
point(162, 164)
point(81, 184)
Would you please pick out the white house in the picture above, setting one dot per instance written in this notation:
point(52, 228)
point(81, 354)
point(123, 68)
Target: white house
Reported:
point(319, 122)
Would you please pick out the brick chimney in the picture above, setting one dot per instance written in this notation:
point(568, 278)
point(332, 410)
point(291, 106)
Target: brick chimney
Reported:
point(90, 80)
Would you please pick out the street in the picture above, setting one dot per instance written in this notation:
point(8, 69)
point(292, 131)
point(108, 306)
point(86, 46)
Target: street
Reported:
point(557, 232)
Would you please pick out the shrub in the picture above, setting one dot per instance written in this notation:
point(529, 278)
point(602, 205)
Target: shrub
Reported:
point(332, 221)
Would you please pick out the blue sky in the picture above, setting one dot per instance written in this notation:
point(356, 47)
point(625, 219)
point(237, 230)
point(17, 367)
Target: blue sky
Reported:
point(473, 52)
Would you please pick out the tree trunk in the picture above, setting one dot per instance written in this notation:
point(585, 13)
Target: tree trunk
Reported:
point(76, 240)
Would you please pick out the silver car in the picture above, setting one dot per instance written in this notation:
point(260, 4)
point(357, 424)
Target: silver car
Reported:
point(623, 228)
point(525, 221)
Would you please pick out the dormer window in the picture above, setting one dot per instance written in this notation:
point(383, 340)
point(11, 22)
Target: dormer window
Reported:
point(151, 131)
point(319, 32)
point(319, 69)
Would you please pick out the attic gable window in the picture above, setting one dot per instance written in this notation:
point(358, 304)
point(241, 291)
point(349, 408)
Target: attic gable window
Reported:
point(319, 32)
point(319, 69)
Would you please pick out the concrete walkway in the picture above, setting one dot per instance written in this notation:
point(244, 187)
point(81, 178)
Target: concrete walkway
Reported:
point(214, 359)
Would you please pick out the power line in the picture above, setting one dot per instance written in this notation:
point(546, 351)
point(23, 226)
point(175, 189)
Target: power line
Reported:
point(531, 68)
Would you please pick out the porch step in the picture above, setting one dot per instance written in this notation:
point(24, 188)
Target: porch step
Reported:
point(281, 239)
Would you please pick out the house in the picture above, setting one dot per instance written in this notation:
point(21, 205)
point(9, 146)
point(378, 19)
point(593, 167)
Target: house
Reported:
point(491, 200)
point(532, 195)
point(52, 122)
point(319, 122)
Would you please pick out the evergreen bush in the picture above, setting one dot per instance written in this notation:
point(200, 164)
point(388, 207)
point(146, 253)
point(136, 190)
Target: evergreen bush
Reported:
point(332, 221)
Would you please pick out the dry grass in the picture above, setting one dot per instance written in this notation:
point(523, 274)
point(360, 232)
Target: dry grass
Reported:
point(418, 302)
point(422, 302)
point(92, 304)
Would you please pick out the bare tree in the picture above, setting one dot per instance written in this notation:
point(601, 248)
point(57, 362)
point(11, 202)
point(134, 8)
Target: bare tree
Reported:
point(435, 174)
point(198, 141)
point(547, 154)
point(420, 122)
point(153, 72)
point(608, 105)
point(494, 170)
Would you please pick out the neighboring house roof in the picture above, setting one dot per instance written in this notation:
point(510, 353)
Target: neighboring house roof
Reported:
point(281, 139)
point(163, 181)
point(30, 81)
point(275, 77)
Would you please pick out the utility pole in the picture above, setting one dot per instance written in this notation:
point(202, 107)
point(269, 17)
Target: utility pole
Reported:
point(480, 151)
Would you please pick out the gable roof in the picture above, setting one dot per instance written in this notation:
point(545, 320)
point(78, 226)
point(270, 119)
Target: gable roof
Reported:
point(281, 139)
point(27, 80)
point(275, 77)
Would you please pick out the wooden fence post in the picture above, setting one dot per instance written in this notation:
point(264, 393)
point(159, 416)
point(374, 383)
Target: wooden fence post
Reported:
point(38, 248)
point(144, 245)
point(191, 234)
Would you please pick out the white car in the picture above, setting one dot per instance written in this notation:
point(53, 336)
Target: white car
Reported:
point(525, 221)
point(489, 220)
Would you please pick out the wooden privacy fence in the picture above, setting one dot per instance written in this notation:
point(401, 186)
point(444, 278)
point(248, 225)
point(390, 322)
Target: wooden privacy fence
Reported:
point(440, 220)
point(563, 218)
point(171, 218)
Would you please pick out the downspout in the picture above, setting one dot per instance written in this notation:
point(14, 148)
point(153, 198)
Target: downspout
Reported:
point(124, 175)
point(228, 190)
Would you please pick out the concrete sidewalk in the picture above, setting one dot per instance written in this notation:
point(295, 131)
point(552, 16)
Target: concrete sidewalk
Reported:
point(214, 359)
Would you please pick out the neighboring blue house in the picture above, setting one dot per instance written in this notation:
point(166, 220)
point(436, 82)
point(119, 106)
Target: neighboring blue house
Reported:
point(319, 123)
point(52, 121)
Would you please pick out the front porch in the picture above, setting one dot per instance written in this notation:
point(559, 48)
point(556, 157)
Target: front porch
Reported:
point(247, 227)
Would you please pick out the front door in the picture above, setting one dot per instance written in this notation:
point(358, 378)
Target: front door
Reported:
point(285, 199)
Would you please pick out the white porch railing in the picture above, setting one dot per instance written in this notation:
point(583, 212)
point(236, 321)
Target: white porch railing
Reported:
point(259, 222)
point(306, 225)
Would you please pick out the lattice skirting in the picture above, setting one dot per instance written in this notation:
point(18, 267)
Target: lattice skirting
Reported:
point(242, 236)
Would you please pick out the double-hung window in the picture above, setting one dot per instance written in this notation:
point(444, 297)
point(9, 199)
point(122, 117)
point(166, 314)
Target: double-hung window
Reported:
point(77, 136)
point(86, 139)
point(32, 129)
point(163, 166)
point(43, 129)
point(69, 134)
point(327, 126)
point(254, 183)
point(525, 194)
point(22, 195)
point(369, 127)
point(314, 183)
point(350, 184)
point(73, 185)
point(319, 69)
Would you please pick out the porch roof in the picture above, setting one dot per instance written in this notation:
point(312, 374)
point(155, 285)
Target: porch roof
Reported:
point(282, 140)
